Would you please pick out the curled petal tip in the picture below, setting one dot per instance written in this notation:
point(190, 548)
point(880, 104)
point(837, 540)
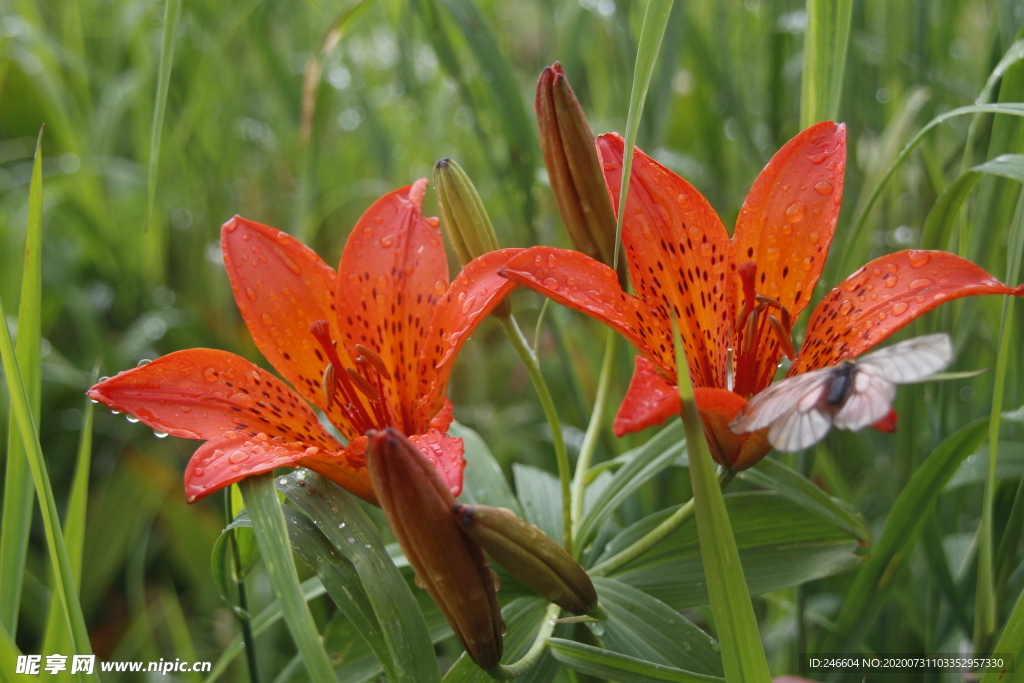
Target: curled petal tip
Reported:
point(417, 191)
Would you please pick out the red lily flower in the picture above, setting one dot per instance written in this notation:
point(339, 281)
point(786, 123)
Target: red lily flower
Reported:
point(372, 346)
point(737, 299)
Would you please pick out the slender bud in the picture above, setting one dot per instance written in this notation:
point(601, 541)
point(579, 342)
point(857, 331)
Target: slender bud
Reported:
point(463, 214)
point(465, 218)
point(448, 563)
point(525, 552)
point(573, 168)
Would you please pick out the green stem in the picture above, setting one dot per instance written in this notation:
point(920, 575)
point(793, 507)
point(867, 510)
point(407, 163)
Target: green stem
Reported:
point(579, 482)
point(529, 358)
point(655, 535)
point(507, 672)
point(248, 639)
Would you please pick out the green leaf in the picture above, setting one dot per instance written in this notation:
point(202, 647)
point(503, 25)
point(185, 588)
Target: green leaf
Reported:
point(18, 491)
point(613, 666)
point(9, 653)
point(272, 536)
point(825, 41)
point(772, 474)
point(483, 481)
point(644, 627)
point(974, 468)
point(655, 21)
point(899, 536)
point(354, 536)
point(947, 207)
point(643, 464)
point(172, 12)
point(1010, 642)
point(221, 565)
point(541, 497)
point(742, 652)
point(779, 544)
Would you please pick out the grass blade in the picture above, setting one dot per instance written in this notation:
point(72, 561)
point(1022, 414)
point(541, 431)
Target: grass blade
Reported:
point(605, 664)
point(655, 21)
point(903, 524)
point(18, 492)
point(742, 652)
point(985, 610)
point(272, 536)
point(1011, 641)
point(828, 32)
point(172, 12)
point(9, 653)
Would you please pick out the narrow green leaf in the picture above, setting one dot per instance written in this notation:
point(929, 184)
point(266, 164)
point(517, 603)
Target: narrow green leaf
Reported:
point(1010, 642)
point(9, 653)
point(642, 626)
point(655, 21)
point(985, 611)
point(352, 533)
point(645, 462)
point(540, 495)
point(899, 536)
point(605, 664)
point(825, 41)
point(742, 652)
point(172, 12)
point(974, 469)
point(174, 617)
point(58, 638)
point(779, 544)
point(483, 481)
point(272, 535)
point(18, 491)
point(774, 475)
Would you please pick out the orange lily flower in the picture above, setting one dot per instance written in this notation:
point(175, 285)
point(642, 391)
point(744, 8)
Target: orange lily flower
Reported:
point(371, 346)
point(737, 298)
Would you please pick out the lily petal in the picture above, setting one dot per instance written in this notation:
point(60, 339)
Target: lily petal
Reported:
point(477, 289)
point(224, 460)
point(392, 271)
point(445, 453)
point(736, 451)
point(785, 228)
point(205, 393)
point(882, 297)
point(649, 401)
point(676, 249)
point(578, 281)
point(282, 287)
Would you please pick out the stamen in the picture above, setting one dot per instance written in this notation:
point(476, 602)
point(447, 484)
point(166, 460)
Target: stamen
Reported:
point(787, 319)
point(768, 301)
point(785, 341)
point(356, 410)
point(374, 360)
point(362, 385)
point(749, 334)
point(328, 385)
point(747, 271)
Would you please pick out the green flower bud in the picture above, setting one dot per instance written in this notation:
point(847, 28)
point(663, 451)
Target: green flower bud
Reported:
point(448, 563)
point(525, 552)
point(463, 214)
point(573, 168)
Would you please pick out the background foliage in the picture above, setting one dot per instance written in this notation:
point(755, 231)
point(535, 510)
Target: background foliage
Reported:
point(402, 85)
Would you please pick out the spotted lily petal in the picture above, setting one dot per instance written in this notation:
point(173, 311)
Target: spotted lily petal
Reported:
point(882, 297)
point(649, 401)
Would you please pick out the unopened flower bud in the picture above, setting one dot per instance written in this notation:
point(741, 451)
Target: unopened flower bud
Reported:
point(448, 563)
point(573, 168)
point(525, 552)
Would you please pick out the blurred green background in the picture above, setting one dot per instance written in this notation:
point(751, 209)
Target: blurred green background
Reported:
point(402, 84)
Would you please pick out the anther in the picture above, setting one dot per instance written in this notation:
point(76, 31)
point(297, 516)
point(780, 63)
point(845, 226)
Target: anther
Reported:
point(746, 271)
point(362, 385)
point(787, 319)
point(374, 360)
point(785, 341)
point(749, 334)
point(768, 301)
point(327, 385)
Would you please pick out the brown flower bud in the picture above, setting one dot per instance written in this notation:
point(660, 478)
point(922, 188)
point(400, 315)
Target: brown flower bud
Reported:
point(448, 564)
point(525, 552)
point(573, 168)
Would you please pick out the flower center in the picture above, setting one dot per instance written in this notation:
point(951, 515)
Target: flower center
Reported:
point(759, 317)
point(354, 388)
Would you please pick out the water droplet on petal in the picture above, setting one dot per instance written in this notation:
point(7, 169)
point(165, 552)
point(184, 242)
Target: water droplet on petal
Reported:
point(900, 307)
point(921, 282)
point(796, 212)
point(210, 375)
point(890, 281)
point(772, 253)
point(551, 283)
point(160, 435)
point(198, 472)
point(131, 418)
point(387, 241)
point(824, 187)
point(919, 258)
point(433, 221)
point(251, 293)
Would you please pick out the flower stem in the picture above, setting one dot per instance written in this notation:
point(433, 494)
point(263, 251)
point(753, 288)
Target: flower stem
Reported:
point(507, 672)
point(593, 429)
point(248, 639)
point(655, 535)
point(530, 360)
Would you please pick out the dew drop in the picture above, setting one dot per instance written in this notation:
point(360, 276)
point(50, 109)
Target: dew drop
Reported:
point(824, 187)
point(387, 241)
point(144, 361)
point(552, 261)
point(921, 282)
point(251, 293)
point(115, 412)
point(772, 253)
point(900, 307)
point(817, 158)
point(210, 375)
point(846, 307)
point(440, 287)
point(290, 264)
point(796, 212)
point(160, 435)
point(919, 258)
point(433, 222)
point(890, 281)
point(467, 305)
point(131, 418)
